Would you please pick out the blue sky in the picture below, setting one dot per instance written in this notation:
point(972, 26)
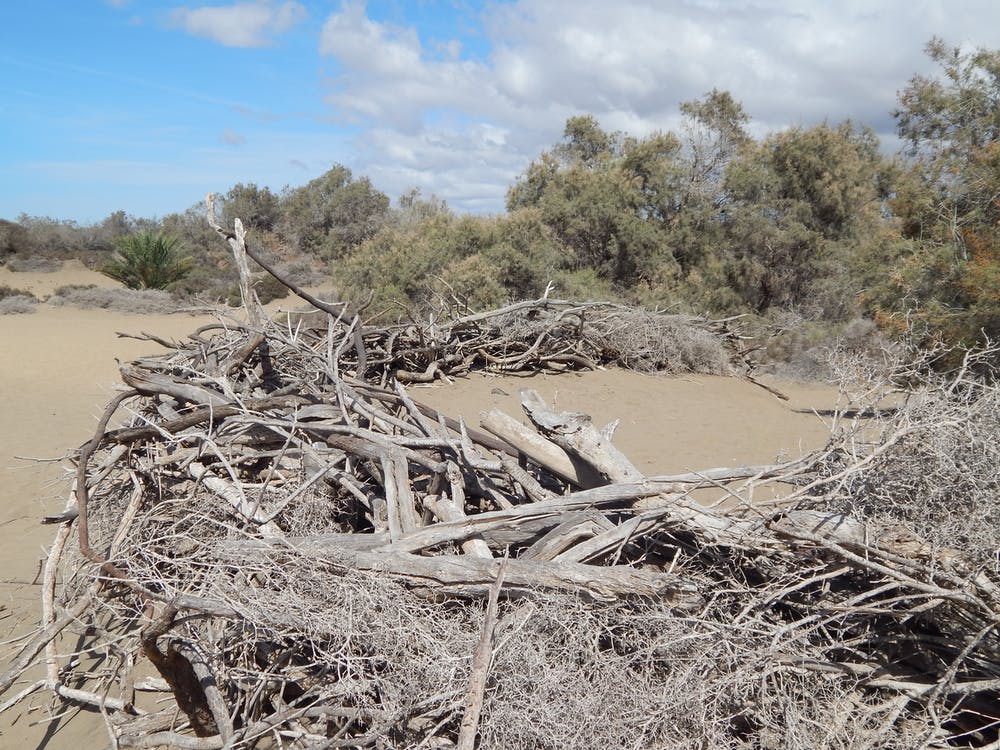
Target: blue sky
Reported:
point(145, 106)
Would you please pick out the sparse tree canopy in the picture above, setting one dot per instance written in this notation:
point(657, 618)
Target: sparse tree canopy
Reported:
point(333, 214)
point(946, 200)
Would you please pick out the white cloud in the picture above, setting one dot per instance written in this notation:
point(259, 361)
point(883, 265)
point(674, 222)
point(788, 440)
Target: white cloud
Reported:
point(242, 24)
point(630, 63)
point(232, 138)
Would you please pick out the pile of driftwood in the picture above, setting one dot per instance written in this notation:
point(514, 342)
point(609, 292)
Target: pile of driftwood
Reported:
point(282, 546)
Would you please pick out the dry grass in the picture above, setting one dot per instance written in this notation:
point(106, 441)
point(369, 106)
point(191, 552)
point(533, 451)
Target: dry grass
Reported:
point(138, 301)
point(17, 304)
point(654, 342)
point(33, 263)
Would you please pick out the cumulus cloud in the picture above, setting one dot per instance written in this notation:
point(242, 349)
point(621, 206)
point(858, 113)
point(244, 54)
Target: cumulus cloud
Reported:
point(242, 24)
point(434, 119)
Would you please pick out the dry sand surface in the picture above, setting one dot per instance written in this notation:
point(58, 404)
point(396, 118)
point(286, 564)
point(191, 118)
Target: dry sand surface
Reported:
point(58, 368)
point(43, 284)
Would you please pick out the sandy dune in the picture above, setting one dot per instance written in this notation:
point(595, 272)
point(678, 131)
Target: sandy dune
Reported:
point(43, 284)
point(58, 367)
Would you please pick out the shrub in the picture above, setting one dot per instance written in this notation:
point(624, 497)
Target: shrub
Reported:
point(804, 349)
point(938, 468)
point(474, 281)
point(147, 261)
point(651, 342)
point(139, 301)
point(17, 304)
point(35, 263)
point(303, 274)
point(267, 287)
point(9, 291)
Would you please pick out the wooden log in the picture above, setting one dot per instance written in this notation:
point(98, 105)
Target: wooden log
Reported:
point(497, 536)
point(403, 517)
point(452, 509)
point(575, 433)
point(483, 655)
point(612, 539)
point(576, 527)
point(471, 577)
point(427, 376)
point(540, 451)
point(836, 527)
point(549, 513)
point(445, 510)
point(154, 384)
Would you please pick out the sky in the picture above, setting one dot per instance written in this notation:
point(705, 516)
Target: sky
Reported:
point(145, 106)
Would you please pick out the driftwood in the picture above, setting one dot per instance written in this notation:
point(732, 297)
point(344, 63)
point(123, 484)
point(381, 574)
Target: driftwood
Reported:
point(300, 550)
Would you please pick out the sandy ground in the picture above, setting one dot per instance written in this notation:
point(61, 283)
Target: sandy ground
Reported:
point(44, 284)
point(58, 367)
point(667, 425)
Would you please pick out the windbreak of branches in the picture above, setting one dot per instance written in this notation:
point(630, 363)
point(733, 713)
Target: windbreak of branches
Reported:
point(274, 546)
point(544, 334)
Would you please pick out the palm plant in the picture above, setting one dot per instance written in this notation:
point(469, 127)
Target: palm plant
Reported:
point(147, 261)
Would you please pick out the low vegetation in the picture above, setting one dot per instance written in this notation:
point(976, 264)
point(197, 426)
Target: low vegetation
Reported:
point(138, 301)
point(147, 261)
point(813, 223)
point(17, 304)
point(16, 301)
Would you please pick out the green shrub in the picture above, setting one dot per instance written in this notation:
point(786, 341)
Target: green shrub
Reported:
point(474, 281)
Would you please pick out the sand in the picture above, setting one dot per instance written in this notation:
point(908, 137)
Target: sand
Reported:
point(58, 368)
point(667, 425)
point(43, 284)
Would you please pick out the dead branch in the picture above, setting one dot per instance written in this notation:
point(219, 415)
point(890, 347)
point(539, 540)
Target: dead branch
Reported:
point(304, 554)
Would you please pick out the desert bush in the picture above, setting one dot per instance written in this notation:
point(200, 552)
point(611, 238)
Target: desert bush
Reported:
point(474, 281)
point(17, 304)
point(9, 291)
point(800, 348)
point(582, 284)
point(269, 288)
point(652, 342)
point(33, 263)
point(938, 470)
point(139, 301)
point(266, 286)
point(332, 214)
point(304, 274)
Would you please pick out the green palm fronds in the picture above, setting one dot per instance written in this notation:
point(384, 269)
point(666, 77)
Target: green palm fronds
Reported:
point(148, 261)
